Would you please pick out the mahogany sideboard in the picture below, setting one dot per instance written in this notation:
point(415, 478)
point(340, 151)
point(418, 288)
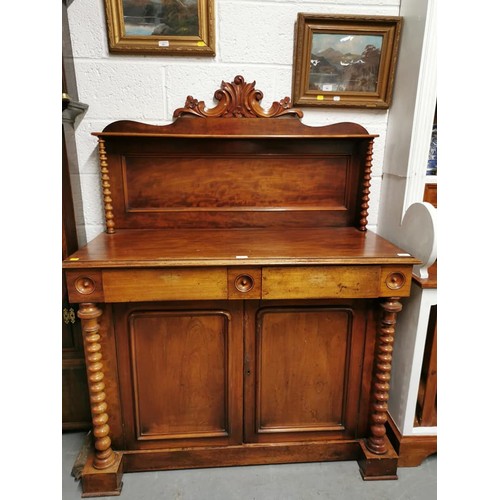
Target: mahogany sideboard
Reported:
point(236, 310)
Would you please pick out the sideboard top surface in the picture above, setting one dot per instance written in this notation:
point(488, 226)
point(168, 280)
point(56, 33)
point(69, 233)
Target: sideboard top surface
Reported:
point(219, 247)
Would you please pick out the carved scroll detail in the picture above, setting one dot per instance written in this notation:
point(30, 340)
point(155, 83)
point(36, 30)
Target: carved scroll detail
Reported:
point(106, 192)
point(237, 100)
point(382, 375)
point(89, 314)
point(365, 195)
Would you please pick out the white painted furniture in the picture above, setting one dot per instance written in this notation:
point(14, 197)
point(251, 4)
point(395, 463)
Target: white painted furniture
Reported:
point(418, 236)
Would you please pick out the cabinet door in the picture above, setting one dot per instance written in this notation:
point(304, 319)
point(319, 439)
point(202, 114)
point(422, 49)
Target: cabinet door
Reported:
point(305, 366)
point(180, 373)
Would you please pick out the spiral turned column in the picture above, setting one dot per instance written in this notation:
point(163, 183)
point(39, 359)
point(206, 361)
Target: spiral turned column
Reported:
point(106, 188)
point(376, 441)
point(365, 195)
point(89, 314)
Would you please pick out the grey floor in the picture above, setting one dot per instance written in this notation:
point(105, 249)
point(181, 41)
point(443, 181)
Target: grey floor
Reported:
point(313, 481)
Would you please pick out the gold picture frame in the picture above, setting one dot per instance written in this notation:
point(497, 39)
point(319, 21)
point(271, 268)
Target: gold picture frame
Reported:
point(162, 27)
point(345, 61)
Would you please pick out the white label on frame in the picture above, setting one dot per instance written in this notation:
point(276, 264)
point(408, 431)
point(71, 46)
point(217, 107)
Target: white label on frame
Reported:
point(163, 43)
point(336, 98)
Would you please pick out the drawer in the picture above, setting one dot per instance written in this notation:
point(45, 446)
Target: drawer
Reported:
point(280, 282)
point(302, 282)
point(164, 284)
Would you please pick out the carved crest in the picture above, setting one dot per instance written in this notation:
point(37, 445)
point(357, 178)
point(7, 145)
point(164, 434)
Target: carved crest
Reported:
point(237, 100)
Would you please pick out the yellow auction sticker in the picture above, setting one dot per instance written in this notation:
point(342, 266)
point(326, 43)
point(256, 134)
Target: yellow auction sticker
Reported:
point(320, 97)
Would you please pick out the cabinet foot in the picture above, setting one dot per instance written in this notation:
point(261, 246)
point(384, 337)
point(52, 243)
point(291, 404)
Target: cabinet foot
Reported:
point(102, 482)
point(375, 467)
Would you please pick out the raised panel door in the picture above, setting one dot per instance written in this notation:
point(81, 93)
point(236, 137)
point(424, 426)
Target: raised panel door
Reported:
point(303, 372)
point(183, 367)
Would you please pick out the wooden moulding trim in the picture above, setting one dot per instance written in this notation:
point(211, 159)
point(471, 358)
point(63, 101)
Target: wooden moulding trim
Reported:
point(190, 127)
point(159, 263)
point(247, 454)
point(229, 135)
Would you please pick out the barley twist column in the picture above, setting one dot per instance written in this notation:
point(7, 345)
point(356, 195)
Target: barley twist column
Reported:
point(89, 314)
point(106, 191)
point(365, 196)
point(376, 442)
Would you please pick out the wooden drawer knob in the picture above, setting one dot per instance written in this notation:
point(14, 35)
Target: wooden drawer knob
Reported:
point(395, 281)
point(85, 285)
point(244, 283)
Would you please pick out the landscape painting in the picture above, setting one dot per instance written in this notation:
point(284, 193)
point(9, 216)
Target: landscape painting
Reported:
point(162, 27)
point(344, 62)
point(161, 17)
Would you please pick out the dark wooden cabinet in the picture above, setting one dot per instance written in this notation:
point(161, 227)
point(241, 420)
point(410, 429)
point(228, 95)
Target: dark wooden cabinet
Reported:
point(236, 310)
point(75, 397)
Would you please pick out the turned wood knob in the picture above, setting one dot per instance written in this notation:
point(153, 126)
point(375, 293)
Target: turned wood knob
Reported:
point(244, 283)
point(395, 281)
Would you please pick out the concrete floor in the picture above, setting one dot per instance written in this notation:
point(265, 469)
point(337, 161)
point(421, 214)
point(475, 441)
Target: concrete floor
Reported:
point(311, 481)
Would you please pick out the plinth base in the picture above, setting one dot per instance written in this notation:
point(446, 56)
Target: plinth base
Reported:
point(102, 483)
point(375, 467)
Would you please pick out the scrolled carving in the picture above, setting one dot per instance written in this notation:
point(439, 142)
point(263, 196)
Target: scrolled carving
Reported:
point(237, 99)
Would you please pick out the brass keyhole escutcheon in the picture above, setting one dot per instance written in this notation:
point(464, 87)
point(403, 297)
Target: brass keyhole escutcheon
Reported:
point(244, 283)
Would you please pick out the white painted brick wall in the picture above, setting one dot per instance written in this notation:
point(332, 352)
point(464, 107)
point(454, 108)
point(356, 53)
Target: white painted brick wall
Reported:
point(255, 38)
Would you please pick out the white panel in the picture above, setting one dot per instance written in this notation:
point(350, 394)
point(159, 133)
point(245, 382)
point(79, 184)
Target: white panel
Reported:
point(409, 346)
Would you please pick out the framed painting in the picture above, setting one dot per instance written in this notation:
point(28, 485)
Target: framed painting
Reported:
point(345, 61)
point(176, 27)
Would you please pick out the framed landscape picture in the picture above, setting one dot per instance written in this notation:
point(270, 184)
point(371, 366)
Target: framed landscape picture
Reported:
point(177, 27)
point(345, 61)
